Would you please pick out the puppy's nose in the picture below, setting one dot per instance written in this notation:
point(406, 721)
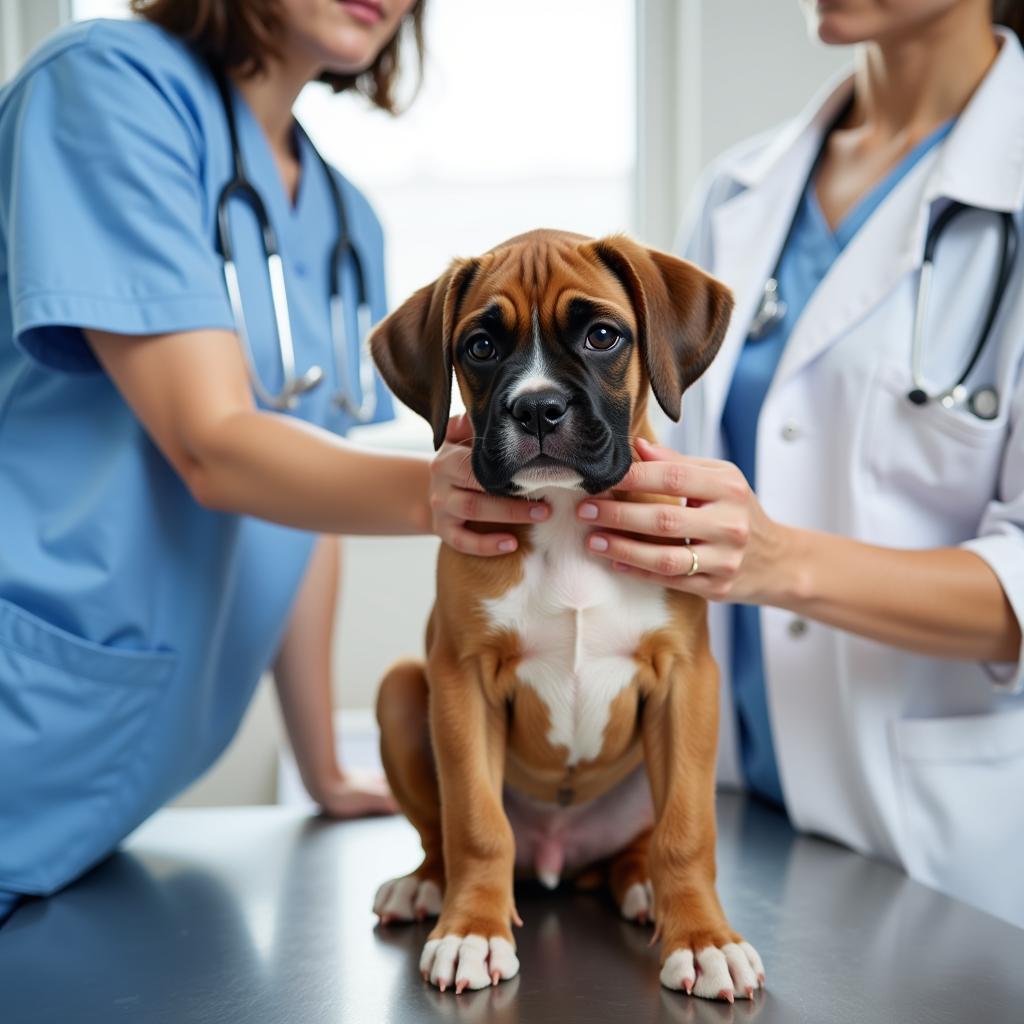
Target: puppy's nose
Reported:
point(540, 412)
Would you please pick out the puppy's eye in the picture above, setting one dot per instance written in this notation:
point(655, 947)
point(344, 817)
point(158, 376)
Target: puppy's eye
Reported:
point(603, 337)
point(481, 348)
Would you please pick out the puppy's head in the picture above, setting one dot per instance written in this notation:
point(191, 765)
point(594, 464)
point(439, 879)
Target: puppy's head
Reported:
point(554, 339)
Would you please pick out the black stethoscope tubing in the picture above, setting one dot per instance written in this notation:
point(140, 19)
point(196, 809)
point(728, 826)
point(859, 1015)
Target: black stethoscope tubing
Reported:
point(1007, 256)
point(985, 402)
point(240, 186)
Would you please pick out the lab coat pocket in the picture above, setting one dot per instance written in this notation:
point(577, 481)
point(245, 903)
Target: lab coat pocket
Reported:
point(961, 781)
point(930, 465)
point(73, 717)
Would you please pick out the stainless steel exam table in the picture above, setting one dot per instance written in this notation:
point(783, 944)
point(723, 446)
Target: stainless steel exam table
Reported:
point(262, 916)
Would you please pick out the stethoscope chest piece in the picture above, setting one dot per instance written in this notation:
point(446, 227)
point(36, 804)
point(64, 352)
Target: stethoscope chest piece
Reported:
point(984, 403)
point(771, 311)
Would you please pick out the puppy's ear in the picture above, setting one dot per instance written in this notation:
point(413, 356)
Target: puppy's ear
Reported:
point(412, 347)
point(682, 314)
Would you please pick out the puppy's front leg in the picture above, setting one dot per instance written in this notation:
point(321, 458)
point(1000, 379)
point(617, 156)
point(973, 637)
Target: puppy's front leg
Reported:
point(472, 945)
point(700, 951)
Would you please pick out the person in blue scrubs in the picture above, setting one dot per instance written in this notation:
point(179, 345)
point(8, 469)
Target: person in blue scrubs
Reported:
point(164, 538)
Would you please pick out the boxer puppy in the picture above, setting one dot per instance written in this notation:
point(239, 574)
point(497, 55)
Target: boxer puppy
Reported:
point(566, 714)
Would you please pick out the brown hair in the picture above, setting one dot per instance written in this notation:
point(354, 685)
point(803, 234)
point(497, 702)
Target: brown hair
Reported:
point(243, 34)
point(1009, 13)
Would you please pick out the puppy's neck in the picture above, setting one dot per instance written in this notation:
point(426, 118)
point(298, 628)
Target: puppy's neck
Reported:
point(537, 484)
point(563, 500)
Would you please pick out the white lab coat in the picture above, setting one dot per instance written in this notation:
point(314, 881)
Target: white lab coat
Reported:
point(916, 760)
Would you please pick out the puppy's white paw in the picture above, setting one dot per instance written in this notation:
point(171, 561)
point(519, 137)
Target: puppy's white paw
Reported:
point(409, 898)
point(638, 903)
point(468, 961)
point(730, 971)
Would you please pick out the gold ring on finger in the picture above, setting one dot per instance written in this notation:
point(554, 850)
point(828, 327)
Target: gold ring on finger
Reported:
point(695, 564)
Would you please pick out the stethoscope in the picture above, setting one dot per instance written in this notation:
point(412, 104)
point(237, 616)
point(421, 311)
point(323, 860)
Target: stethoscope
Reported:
point(294, 384)
point(983, 402)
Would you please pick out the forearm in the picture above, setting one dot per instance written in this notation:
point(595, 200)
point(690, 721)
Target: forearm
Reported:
point(944, 602)
point(302, 670)
point(190, 390)
point(279, 468)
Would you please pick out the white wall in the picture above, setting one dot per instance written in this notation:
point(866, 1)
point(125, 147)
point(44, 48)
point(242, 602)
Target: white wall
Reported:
point(23, 24)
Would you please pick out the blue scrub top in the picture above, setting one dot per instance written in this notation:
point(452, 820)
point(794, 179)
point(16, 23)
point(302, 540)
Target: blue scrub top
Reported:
point(810, 250)
point(134, 624)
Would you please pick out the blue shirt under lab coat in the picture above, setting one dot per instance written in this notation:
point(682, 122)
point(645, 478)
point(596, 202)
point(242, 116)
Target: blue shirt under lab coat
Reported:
point(134, 624)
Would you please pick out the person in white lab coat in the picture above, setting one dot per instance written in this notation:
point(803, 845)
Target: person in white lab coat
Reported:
point(863, 551)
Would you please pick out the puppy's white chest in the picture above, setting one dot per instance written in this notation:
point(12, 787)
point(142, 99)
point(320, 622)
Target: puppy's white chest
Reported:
point(579, 625)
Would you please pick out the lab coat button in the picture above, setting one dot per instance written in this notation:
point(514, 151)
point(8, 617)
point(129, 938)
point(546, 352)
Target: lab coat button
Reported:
point(790, 432)
point(797, 628)
point(301, 270)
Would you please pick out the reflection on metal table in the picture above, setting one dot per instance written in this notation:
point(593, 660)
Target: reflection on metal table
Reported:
point(262, 916)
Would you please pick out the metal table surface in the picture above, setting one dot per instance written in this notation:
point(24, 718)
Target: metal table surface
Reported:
point(262, 916)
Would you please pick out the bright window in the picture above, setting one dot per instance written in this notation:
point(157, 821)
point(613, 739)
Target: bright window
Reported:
point(82, 9)
point(525, 120)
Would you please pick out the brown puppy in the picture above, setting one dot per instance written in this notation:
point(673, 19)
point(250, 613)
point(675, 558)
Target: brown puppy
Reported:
point(566, 714)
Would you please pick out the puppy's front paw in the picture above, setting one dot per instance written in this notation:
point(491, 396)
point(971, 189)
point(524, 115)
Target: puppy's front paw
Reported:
point(468, 961)
point(732, 970)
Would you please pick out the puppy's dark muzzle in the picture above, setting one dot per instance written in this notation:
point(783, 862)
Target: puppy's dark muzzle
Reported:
point(539, 413)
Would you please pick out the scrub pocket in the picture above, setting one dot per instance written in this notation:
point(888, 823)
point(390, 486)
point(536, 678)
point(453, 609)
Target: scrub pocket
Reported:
point(73, 720)
point(962, 791)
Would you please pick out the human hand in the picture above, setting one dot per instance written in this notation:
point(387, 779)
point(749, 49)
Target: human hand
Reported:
point(457, 499)
point(721, 530)
point(355, 794)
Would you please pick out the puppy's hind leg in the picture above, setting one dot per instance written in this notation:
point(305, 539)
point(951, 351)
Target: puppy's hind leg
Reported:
point(409, 766)
point(630, 881)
